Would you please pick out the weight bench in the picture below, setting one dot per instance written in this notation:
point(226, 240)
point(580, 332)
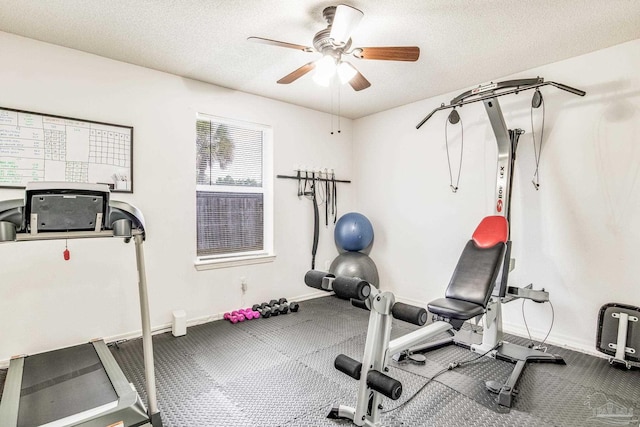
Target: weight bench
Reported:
point(479, 287)
point(482, 265)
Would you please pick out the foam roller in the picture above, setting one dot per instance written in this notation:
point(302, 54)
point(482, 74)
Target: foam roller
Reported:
point(409, 313)
point(313, 278)
point(351, 287)
point(384, 384)
point(348, 366)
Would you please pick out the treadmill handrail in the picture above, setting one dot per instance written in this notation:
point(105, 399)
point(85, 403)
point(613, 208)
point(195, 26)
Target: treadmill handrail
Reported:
point(63, 235)
point(489, 91)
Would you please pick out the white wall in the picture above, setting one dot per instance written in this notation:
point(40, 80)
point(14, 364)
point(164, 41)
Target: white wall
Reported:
point(578, 236)
point(48, 303)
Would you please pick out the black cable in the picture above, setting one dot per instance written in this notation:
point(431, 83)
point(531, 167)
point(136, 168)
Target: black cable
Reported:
point(553, 318)
point(446, 141)
point(451, 367)
point(537, 151)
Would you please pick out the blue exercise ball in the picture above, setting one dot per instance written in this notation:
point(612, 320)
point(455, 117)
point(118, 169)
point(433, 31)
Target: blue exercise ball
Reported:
point(353, 232)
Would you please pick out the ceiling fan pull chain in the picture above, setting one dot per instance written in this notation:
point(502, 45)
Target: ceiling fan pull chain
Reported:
point(339, 126)
point(454, 118)
point(536, 102)
point(331, 113)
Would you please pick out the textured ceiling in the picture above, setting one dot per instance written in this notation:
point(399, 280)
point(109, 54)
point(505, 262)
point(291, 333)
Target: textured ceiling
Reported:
point(463, 42)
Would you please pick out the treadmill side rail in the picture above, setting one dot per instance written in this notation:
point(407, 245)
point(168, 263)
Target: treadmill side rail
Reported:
point(11, 395)
point(127, 408)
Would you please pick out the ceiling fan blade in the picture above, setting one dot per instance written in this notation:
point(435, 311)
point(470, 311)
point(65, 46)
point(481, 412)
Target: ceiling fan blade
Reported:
point(359, 82)
point(345, 22)
point(281, 44)
point(391, 53)
point(295, 75)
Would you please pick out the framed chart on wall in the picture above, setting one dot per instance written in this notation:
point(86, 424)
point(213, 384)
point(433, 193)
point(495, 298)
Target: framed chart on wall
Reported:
point(43, 147)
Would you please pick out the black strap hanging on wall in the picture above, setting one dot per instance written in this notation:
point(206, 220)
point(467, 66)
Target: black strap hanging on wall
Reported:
point(316, 220)
point(310, 190)
point(334, 199)
point(327, 200)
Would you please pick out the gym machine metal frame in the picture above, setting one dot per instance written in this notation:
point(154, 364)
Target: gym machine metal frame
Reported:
point(371, 373)
point(507, 143)
point(116, 219)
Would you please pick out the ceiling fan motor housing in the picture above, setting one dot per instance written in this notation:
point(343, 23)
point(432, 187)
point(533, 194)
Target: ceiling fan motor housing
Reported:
point(322, 41)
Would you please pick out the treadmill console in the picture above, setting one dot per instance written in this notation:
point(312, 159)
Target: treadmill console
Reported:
point(67, 210)
point(61, 207)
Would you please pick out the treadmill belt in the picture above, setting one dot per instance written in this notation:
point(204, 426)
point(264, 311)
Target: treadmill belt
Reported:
point(62, 383)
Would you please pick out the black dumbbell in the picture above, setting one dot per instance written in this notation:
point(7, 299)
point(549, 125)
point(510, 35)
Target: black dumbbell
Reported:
point(294, 306)
point(279, 306)
point(263, 309)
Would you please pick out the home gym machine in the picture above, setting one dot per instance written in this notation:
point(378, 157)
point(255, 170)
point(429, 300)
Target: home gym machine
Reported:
point(478, 287)
point(507, 143)
point(81, 385)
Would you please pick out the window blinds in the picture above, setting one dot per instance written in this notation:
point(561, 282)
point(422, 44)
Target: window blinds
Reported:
point(230, 199)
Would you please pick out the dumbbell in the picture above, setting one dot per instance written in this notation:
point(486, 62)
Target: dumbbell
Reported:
point(263, 309)
point(280, 306)
point(267, 309)
point(234, 318)
point(284, 307)
point(250, 313)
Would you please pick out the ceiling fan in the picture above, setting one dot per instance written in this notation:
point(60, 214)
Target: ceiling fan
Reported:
point(333, 43)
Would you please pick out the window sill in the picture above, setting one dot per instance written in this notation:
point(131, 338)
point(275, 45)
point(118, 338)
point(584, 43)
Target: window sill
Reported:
point(212, 264)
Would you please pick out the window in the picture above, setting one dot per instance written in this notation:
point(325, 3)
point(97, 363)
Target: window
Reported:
point(233, 190)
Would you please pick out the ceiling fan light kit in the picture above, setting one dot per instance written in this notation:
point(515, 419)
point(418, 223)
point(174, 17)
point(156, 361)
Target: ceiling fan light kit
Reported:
point(333, 43)
point(325, 70)
point(345, 21)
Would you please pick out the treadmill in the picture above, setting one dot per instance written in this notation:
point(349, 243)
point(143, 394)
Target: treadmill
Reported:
point(81, 385)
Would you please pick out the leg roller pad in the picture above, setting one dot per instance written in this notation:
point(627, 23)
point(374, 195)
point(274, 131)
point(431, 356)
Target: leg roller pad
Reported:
point(348, 366)
point(410, 313)
point(384, 384)
point(313, 278)
point(351, 287)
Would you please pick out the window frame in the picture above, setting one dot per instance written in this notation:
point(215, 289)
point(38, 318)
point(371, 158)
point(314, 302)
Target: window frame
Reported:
point(267, 254)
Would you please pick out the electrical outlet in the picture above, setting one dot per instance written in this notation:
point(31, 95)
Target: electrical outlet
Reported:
point(243, 284)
